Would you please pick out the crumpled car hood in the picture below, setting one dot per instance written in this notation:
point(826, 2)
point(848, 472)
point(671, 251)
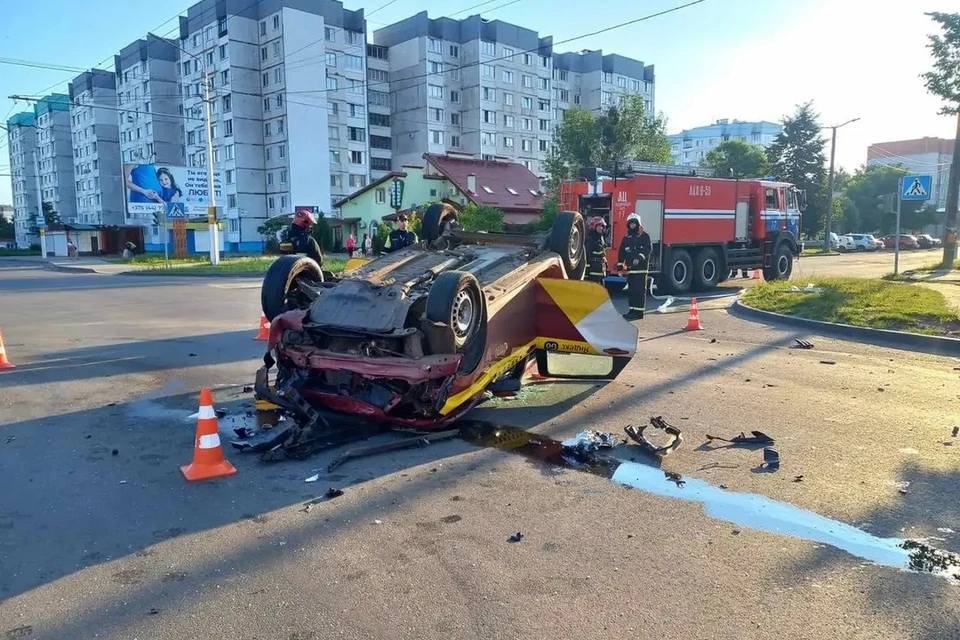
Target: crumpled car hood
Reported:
point(360, 305)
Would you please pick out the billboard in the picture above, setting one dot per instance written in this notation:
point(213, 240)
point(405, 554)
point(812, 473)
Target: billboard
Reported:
point(161, 188)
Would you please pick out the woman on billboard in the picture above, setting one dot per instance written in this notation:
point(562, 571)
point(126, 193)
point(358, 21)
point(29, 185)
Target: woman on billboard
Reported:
point(149, 184)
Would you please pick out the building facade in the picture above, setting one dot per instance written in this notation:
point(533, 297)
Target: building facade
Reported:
point(691, 146)
point(96, 149)
point(149, 112)
point(22, 147)
point(933, 156)
point(55, 155)
point(492, 89)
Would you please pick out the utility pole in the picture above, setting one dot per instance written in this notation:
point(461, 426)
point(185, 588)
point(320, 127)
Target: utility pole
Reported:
point(953, 195)
point(833, 152)
point(41, 221)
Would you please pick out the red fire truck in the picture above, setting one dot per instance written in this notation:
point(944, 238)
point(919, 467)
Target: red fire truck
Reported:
point(702, 228)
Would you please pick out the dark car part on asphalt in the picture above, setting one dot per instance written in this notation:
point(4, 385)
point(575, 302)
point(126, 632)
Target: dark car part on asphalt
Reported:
point(802, 344)
point(421, 440)
point(589, 441)
point(517, 537)
point(756, 438)
point(637, 435)
point(956, 432)
point(771, 459)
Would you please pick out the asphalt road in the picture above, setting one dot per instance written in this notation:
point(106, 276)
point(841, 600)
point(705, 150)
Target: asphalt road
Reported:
point(118, 546)
point(865, 264)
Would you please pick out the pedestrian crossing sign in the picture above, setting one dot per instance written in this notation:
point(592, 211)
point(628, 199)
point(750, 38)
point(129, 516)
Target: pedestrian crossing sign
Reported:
point(916, 187)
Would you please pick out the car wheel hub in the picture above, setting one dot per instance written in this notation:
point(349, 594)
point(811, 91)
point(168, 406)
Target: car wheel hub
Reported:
point(782, 265)
point(463, 313)
point(679, 272)
point(709, 270)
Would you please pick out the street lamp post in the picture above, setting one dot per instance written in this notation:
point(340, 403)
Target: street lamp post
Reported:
point(833, 152)
point(211, 211)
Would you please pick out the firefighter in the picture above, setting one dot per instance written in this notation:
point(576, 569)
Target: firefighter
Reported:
point(634, 256)
point(401, 237)
point(596, 250)
point(300, 237)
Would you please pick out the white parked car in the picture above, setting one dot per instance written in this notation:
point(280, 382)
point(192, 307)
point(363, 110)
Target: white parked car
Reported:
point(846, 243)
point(864, 242)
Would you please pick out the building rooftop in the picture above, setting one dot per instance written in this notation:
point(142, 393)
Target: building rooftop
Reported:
point(23, 119)
point(506, 185)
point(52, 102)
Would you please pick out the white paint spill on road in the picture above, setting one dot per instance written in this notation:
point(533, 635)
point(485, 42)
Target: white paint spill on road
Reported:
point(909, 451)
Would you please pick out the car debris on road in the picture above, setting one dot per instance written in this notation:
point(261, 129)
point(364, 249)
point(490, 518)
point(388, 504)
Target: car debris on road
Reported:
point(673, 443)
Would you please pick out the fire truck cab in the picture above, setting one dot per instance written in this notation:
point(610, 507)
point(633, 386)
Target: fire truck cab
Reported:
point(701, 228)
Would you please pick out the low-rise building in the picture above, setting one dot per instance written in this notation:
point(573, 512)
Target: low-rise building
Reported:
point(930, 156)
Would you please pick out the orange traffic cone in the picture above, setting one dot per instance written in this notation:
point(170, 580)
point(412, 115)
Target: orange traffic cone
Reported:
point(264, 328)
point(208, 461)
point(756, 274)
point(693, 321)
point(4, 363)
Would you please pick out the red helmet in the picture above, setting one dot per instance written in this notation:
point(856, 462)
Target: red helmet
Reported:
point(597, 223)
point(304, 218)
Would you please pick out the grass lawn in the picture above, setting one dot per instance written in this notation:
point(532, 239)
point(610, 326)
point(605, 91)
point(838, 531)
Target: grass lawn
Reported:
point(7, 253)
point(935, 266)
point(879, 304)
point(809, 251)
point(252, 265)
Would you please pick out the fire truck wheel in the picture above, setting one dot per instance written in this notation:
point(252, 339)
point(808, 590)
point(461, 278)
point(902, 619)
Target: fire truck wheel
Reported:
point(782, 266)
point(567, 238)
point(706, 271)
point(678, 276)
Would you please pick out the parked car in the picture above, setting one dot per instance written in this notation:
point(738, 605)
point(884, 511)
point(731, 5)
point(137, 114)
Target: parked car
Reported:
point(906, 242)
point(880, 243)
point(846, 243)
point(926, 241)
point(864, 242)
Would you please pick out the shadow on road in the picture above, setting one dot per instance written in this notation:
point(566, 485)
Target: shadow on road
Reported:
point(137, 357)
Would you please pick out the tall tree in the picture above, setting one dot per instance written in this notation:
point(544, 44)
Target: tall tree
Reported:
point(50, 216)
point(7, 229)
point(625, 132)
point(944, 81)
point(737, 159)
point(797, 156)
point(866, 189)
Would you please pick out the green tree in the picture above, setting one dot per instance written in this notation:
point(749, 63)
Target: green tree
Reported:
point(866, 190)
point(625, 132)
point(269, 230)
point(7, 229)
point(50, 215)
point(547, 215)
point(481, 218)
point(944, 81)
point(737, 159)
point(797, 156)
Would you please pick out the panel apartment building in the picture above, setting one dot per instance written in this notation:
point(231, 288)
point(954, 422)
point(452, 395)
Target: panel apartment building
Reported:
point(933, 156)
point(150, 111)
point(96, 149)
point(55, 155)
point(291, 124)
point(691, 146)
point(22, 147)
point(491, 88)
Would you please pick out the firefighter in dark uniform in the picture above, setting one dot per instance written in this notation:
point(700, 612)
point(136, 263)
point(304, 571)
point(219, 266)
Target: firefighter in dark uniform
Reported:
point(635, 257)
point(596, 246)
point(300, 237)
point(401, 237)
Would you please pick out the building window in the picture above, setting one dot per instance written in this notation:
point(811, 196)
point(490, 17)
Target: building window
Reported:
point(527, 81)
point(271, 203)
point(278, 74)
point(336, 180)
point(331, 84)
point(436, 137)
point(379, 120)
point(544, 105)
point(223, 52)
point(270, 178)
point(228, 127)
point(564, 95)
point(454, 96)
point(380, 196)
point(489, 94)
point(527, 102)
point(380, 164)
point(378, 75)
point(489, 117)
point(231, 201)
point(280, 125)
point(228, 174)
point(544, 125)
point(378, 98)
point(276, 49)
point(508, 142)
point(488, 48)
point(356, 157)
point(488, 71)
point(380, 142)
point(266, 79)
point(263, 53)
point(354, 63)
point(527, 59)
point(357, 110)
point(333, 132)
point(487, 139)
point(356, 134)
point(266, 104)
point(263, 28)
point(353, 37)
point(283, 177)
point(434, 91)
point(508, 121)
point(224, 77)
point(282, 151)
point(544, 84)
point(455, 118)
point(526, 145)
point(434, 45)
point(276, 22)
point(435, 68)
point(267, 129)
point(527, 124)
point(436, 114)
point(267, 154)
point(331, 59)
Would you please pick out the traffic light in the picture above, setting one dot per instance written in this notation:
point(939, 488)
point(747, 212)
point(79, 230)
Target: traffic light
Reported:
point(157, 218)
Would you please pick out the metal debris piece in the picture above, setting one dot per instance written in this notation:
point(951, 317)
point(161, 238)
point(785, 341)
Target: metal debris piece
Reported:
point(220, 413)
point(757, 437)
point(421, 440)
point(798, 479)
point(771, 459)
point(828, 362)
point(589, 441)
point(312, 478)
point(517, 537)
point(718, 465)
point(675, 478)
point(333, 492)
point(802, 344)
point(637, 435)
point(956, 431)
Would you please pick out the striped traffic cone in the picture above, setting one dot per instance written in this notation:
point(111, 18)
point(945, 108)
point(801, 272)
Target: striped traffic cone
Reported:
point(264, 328)
point(4, 363)
point(208, 461)
point(693, 321)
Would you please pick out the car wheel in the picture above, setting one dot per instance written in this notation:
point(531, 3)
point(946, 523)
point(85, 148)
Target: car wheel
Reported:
point(435, 218)
point(567, 238)
point(456, 317)
point(678, 275)
point(280, 291)
point(614, 286)
point(706, 270)
point(782, 267)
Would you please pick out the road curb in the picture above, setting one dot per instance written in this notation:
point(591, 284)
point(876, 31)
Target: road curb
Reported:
point(936, 345)
point(172, 273)
point(63, 269)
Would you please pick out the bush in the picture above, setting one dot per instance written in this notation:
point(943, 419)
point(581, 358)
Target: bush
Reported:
point(481, 218)
point(547, 215)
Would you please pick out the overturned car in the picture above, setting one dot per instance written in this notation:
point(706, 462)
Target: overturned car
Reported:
point(415, 337)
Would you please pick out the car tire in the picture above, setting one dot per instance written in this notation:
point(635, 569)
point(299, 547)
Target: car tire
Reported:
point(615, 286)
point(456, 318)
point(782, 267)
point(279, 291)
point(567, 238)
point(677, 276)
point(706, 269)
point(436, 216)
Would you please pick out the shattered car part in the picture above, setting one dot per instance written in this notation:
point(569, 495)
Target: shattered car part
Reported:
point(589, 441)
point(757, 438)
point(802, 344)
point(771, 459)
point(637, 435)
point(415, 337)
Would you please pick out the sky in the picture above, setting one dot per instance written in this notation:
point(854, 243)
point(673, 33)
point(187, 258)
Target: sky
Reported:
point(737, 59)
